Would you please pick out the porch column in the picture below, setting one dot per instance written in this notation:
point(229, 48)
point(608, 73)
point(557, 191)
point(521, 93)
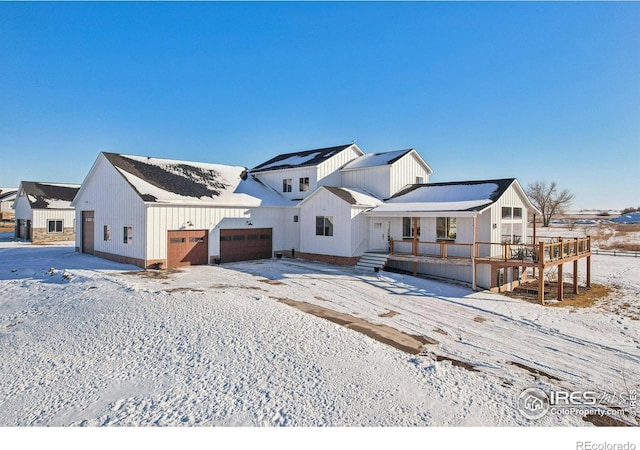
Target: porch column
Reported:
point(534, 241)
point(415, 236)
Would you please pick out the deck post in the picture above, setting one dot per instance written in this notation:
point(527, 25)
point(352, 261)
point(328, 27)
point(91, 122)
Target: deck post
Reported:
point(541, 286)
point(560, 285)
point(575, 276)
point(415, 237)
point(589, 271)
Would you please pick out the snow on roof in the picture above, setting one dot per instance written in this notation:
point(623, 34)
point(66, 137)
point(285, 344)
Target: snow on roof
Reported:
point(357, 197)
point(8, 195)
point(456, 196)
point(171, 181)
point(50, 195)
point(376, 159)
point(300, 159)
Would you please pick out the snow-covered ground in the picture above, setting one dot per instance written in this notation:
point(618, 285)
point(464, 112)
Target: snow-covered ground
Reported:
point(85, 341)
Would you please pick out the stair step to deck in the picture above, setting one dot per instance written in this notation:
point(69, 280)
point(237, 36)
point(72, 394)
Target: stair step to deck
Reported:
point(369, 261)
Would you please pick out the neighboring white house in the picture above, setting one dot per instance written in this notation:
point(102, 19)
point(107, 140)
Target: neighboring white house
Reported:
point(7, 199)
point(43, 211)
point(333, 204)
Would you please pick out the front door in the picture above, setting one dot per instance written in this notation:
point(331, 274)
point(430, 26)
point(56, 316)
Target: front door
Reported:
point(379, 235)
point(87, 232)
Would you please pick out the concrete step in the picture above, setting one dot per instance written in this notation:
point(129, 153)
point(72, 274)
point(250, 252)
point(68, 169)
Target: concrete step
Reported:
point(369, 261)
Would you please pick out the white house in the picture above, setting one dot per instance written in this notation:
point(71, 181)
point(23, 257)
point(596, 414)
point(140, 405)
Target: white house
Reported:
point(333, 204)
point(7, 200)
point(43, 211)
point(154, 212)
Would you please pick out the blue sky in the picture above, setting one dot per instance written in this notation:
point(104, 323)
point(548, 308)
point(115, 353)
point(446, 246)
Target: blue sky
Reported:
point(537, 91)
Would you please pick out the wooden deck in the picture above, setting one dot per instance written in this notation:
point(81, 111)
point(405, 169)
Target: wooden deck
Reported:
point(540, 256)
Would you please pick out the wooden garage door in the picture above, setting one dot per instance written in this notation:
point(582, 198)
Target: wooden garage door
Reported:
point(245, 244)
point(187, 248)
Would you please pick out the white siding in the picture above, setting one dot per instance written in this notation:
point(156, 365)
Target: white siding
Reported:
point(359, 231)
point(162, 218)
point(23, 208)
point(116, 204)
point(326, 204)
point(274, 179)
point(375, 180)
point(405, 171)
point(329, 170)
point(42, 216)
point(286, 232)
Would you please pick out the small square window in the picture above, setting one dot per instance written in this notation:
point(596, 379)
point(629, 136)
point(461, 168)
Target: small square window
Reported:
point(287, 185)
point(107, 232)
point(128, 235)
point(419, 180)
point(324, 225)
point(296, 219)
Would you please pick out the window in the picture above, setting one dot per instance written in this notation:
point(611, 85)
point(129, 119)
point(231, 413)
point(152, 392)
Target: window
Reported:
point(324, 225)
point(196, 239)
point(106, 233)
point(407, 228)
point(128, 235)
point(304, 184)
point(55, 226)
point(419, 180)
point(286, 185)
point(506, 212)
point(296, 219)
point(517, 213)
point(177, 240)
point(446, 228)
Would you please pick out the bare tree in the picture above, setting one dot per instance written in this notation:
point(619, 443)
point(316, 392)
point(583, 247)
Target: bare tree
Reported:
point(548, 199)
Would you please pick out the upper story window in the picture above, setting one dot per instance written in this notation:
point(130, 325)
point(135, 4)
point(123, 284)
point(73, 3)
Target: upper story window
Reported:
point(419, 180)
point(446, 228)
point(304, 184)
point(286, 185)
point(128, 235)
point(511, 213)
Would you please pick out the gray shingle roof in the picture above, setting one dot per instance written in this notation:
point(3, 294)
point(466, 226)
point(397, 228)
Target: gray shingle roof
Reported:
point(300, 159)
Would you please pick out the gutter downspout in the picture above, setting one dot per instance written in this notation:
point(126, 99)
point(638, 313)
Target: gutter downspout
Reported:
point(474, 251)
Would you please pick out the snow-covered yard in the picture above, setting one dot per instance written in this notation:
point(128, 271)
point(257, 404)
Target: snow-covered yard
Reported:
point(84, 341)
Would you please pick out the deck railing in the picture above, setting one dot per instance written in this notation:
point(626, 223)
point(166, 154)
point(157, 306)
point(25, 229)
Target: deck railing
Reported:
point(542, 252)
point(438, 249)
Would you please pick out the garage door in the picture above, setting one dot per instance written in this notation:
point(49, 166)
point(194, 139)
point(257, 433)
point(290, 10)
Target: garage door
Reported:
point(245, 244)
point(187, 248)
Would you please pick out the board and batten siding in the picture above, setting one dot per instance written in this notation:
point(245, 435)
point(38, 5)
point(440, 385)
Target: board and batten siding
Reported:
point(375, 180)
point(325, 203)
point(41, 217)
point(286, 232)
point(162, 218)
point(274, 180)
point(115, 204)
point(359, 231)
point(329, 170)
point(405, 171)
point(512, 198)
point(23, 209)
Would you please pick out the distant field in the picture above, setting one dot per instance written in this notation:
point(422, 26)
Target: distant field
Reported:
point(605, 235)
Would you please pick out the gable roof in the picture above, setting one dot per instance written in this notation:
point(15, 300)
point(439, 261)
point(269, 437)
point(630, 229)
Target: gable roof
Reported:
point(167, 181)
point(307, 158)
point(49, 195)
point(458, 196)
point(383, 159)
point(8, 195)
point(354, 197)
